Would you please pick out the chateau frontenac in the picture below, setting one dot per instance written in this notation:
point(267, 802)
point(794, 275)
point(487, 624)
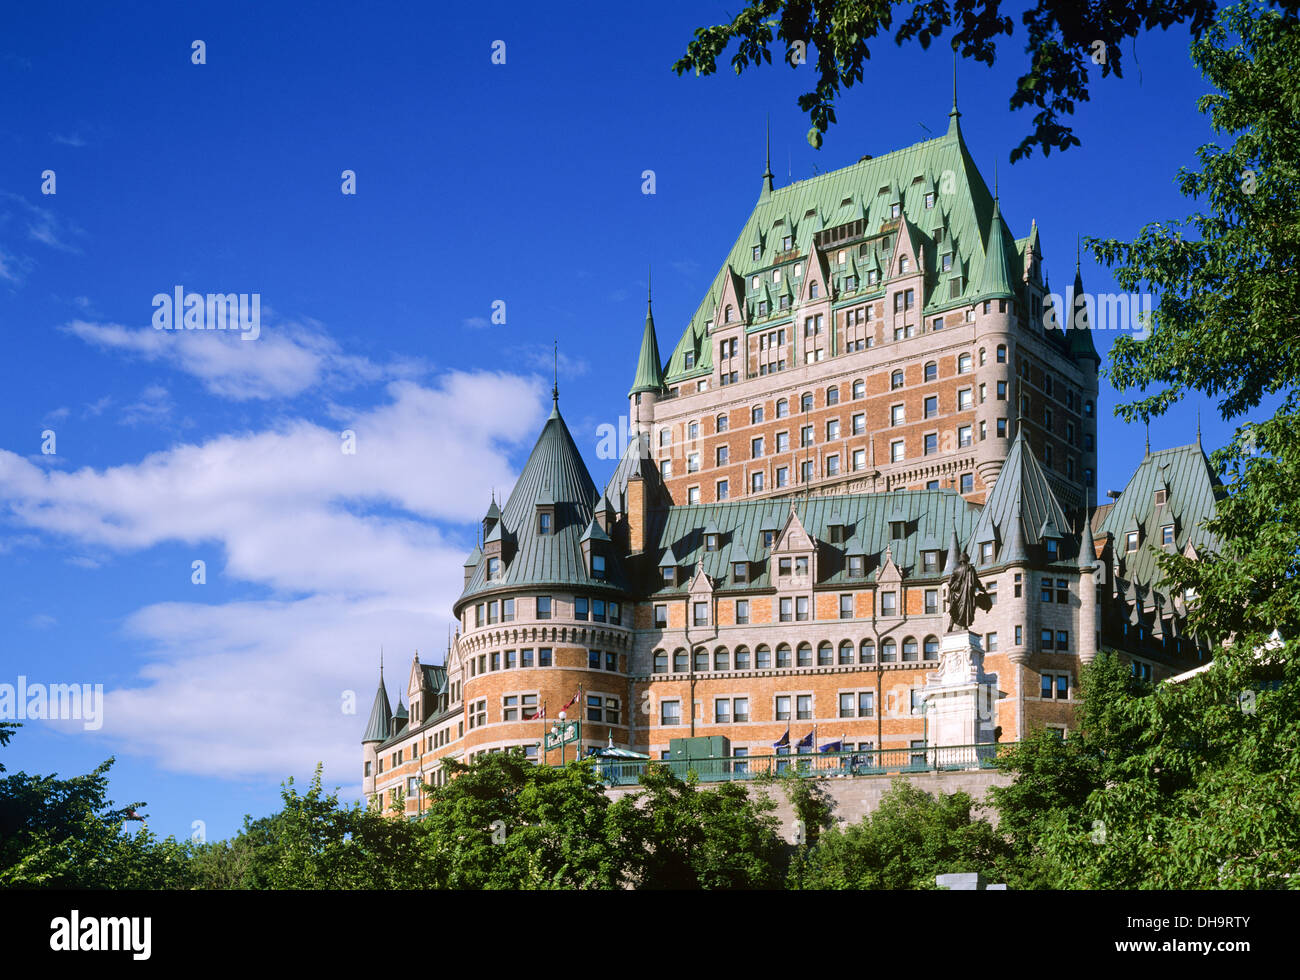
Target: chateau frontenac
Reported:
point(875, 383)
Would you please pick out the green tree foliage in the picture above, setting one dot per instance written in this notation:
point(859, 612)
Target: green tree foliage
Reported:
point(912, 837)
point(1227, 320)
point(65, 833)
point(1063, 38)
point(676, 835)
point(505, 822)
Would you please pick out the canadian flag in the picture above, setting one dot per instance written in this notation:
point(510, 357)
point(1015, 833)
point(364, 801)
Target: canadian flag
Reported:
point(539, 713)
point(573, 700)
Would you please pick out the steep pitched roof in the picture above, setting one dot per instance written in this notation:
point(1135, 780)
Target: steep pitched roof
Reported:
point(679, 533)
point(965, 198)
point(554, 472)
point(649, 367)
point(1020, 505)
point(1193, 489)
point(381, 716)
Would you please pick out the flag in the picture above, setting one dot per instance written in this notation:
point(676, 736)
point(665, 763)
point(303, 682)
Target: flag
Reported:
point(806, 741)
point(573, 700)
point(539, 713)
point(836, 746)
point(783, 741)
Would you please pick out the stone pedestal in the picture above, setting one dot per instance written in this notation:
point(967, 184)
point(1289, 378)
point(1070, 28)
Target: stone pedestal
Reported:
point(958, 696)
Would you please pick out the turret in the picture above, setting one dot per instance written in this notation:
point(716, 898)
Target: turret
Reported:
point(378, 728)
point(648, 384)
point(995, 342)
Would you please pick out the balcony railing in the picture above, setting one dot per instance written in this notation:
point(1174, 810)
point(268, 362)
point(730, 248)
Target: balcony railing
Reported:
point(822, 765)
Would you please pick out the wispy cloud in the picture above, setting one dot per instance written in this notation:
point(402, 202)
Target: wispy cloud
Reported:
point(71, 139)
point(476, 322)
point(284, 361)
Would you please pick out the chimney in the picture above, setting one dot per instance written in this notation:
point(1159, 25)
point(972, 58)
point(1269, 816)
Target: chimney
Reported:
point(636, 515)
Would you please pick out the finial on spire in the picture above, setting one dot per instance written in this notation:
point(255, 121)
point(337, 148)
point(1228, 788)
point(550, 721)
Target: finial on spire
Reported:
point(1076, 253)
point(954, 78)
point(1198, 427)
point(648, 272)
point(767, 166)
point(1148, 431)
point(995, 181)
point(381, 663)
point(555, 386)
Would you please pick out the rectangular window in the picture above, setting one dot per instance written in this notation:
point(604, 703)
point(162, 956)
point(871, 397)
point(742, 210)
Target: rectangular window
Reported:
point(661, 615)
point(579, 608)
point(803, 706)
point(783, 707)
point(787, 611)
point(756, 448)
point(543, 607)
point(990, 642)
point(740, 709)
point(701, 613)
point(931, 602)
point(801, 607)
point(846, 607)
point(670, 713)
point(1045, 640)
point(889, 604)
point(896, 451)
point(742, 612)
point(544, 657)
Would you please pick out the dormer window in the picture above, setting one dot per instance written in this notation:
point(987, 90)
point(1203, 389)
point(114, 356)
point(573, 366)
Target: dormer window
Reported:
point(758, 252)
point(1131, 541)
point(801, 566)
point(812, 290)
point(898, 530)
point(1162, 495)
point(929, 200)
point(493, 568)
point(784, 566)
point(545, 522)
point(740, 571)
point(768, 538)
point(598, 567)
point(835, 533)
point(711, 542)
point(986, 552)
point(689, 359)
point(895, 210)
point(1052, 548)
point(857, 566)
point(930, 561)
point(786, 243)
point(904, 265)
point(1167, 535)
point(669, 575)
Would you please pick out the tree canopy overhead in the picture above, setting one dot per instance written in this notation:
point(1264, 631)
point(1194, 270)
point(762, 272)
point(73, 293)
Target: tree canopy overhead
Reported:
point(1062, 38)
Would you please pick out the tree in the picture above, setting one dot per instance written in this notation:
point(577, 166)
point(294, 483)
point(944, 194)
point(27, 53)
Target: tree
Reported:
point(1063, 38)
point(1227, 321)
point(679, 836)
point(908, 840)
point(505, 822)
point(65, 833)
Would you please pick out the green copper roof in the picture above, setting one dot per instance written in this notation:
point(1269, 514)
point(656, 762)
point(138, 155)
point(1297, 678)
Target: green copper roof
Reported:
point(995, 279)
point(381, 716)
point(679, 535)
point(1081, 342)
point(1020, 507)
point(941, 166)
point(554, 473)
point(649, 367)
point(1192, 491)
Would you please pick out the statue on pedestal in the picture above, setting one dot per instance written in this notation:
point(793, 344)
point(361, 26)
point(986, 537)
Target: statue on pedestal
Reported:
point(963, 587)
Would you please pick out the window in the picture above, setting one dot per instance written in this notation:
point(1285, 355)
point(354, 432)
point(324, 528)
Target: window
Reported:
point(1062, 640)
point(1002, 390)
point(1002, 428)
point(964, 400)
point(889, 603)
point(909, 648)
point(867, 652)
point(846, 606)
point(493, 567)
point(724, 490)
point(931, 598)
point(1167, 535)
point(825, 654)
point(722, 425)
point(1055, 687)
point(1131, 541)
point(742, 658)
point(896, 415)
point(930, 444)
point(963, 364)
point(832, 430)
point(543, 523)
point(801, 607)
point(1046, 638)
point(896, 380)
point(986, 552)
point(803, 706)
point(763, 657)
point(888, 651)
point(931, 406)
point(670, 713)
point(931, 648)
point(782, 707)
point(700, 613)
point(756, 482)
point(544, 657)
point(963, 435)
point(661, 662)
point(507, 610)
point(721, 711)
point(966, 483)
point(786, 608)
point(756, 448)
point(859, 389)
point(832, 465)
point(543, 607)
point(666, 469)
point(832, 396)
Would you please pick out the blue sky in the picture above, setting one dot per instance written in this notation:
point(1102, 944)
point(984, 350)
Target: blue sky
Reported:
point(475, 183)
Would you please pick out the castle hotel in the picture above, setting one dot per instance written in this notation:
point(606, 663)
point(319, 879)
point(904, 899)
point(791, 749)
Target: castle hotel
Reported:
point(874, 383)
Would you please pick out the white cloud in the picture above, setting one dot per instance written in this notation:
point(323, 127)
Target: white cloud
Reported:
point(284, 361)
point(350, 544)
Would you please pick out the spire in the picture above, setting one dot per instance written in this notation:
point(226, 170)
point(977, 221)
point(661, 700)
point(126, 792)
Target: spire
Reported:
point(381, 713)
point(555, 384)
point(767, 169)
point(1198, 428)
point(1079, 326)
point(649, 368)
point(995, 278)
point(954, 127)
point(1147, 425)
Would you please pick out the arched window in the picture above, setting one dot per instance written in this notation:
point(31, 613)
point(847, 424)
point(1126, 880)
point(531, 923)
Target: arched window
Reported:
point(859, 389)
point(963, 364)
point(806, 403)
point(762, 657)
point(833, 395)
point(805, 655)
point(680, 663)
point(782, 408)
point(722, 425)
point(742, 658)
point(888, 650)
point(896, 380)
point(661, 661)
point(846, 652)
point(731, 314)
point(983, 359)
point(721, 659)
point(812, 290)
point(1002, 353)
point(756, 415)
point(931, 371)
point(825, 654)
point(931, 648)
point(867, 652)
point(909, 648)
point(783, 655)
point(701, 659)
